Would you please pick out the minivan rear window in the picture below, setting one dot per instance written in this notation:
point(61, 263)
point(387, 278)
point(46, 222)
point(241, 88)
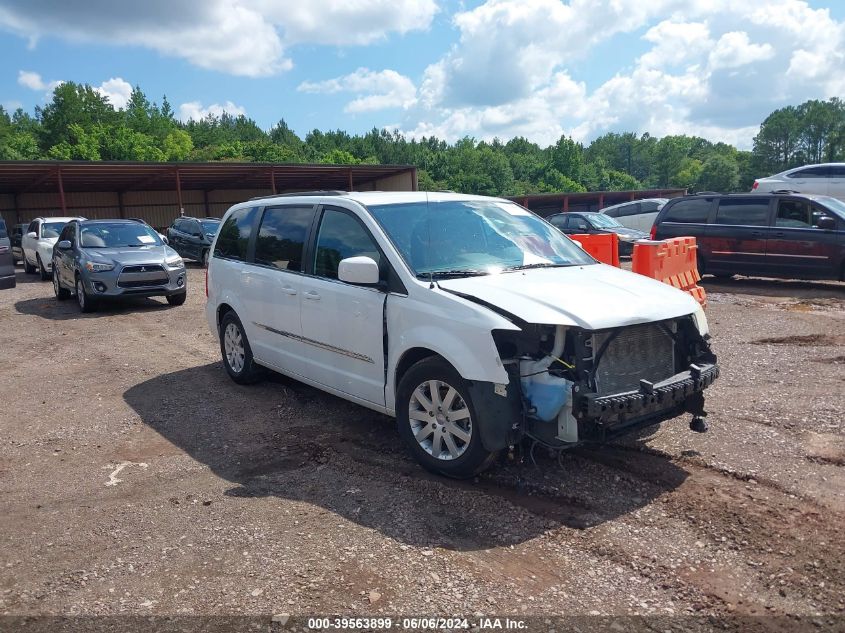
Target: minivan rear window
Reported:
point(693, 211)
point(234, 235)
point(743, 211)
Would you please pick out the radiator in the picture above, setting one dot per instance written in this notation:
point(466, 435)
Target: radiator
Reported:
point(638, 351)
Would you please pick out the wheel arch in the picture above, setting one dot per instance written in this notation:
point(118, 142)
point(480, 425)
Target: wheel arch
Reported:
point(222, 309)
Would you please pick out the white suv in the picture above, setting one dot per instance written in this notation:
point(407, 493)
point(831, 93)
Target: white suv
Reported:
point(470, 319)
point(823, 180)
point(38, 242)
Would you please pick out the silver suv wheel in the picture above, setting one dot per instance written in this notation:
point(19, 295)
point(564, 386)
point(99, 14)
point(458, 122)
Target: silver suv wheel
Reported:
point(440, 420)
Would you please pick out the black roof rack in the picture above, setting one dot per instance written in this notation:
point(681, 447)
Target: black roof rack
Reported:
point(707, 193)
point(328, 192)
point(788, 191)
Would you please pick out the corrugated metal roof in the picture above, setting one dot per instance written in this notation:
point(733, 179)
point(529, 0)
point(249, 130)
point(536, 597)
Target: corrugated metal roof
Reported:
point(43, 176)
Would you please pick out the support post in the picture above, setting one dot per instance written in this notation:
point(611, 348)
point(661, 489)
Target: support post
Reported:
point(61, 190)
point(15, 207)
point(601, 201)
point(179, 193)
point(565, 204)
point(205, 203)
point(121, 209)
point(273, 181)
point(631, 196)
point(351, 184)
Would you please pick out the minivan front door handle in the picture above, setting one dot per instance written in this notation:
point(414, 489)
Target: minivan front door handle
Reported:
point(289, 290)
point(312, 295)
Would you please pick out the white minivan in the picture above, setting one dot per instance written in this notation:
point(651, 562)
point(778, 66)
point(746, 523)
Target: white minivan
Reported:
point(471, 320)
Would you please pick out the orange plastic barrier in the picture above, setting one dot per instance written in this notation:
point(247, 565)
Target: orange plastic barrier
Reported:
point(671, 261)
point(604, 246)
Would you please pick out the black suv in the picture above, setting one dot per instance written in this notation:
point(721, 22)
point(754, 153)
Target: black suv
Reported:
point(192, 237)
point(787, 235)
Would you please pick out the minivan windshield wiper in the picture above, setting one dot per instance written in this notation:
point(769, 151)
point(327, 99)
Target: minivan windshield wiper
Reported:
point(539, 265)
point(445, 274)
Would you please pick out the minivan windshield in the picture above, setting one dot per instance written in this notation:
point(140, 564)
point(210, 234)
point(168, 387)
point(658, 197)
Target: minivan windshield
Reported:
point(834, 204)
point(117, 235)
point(474, 237)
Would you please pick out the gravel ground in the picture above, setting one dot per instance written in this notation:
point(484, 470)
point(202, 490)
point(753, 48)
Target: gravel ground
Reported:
point(138, 479)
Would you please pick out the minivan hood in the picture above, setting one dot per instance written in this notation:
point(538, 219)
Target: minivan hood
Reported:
point(592, 297)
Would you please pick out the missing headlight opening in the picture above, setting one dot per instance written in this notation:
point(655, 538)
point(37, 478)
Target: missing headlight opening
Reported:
point(579, 385)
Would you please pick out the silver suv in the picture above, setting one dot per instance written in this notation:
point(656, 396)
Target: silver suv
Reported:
point(108, 259)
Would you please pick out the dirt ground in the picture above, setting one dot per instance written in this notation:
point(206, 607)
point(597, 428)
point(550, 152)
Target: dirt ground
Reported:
point(136, 478)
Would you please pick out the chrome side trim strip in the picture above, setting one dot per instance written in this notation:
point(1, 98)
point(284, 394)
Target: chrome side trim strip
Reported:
point(325, 346)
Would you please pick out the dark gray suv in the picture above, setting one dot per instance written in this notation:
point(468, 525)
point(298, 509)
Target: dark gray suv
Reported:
point(109, 259)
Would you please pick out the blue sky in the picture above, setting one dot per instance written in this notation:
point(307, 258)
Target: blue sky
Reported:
point(536, 68)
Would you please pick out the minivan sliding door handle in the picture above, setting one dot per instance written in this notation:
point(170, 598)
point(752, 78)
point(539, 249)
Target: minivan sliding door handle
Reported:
point(289, 290)
point(314, 296)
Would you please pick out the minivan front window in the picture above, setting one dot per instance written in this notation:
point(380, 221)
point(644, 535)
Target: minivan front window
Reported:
point(118, 235)
point(470, 237)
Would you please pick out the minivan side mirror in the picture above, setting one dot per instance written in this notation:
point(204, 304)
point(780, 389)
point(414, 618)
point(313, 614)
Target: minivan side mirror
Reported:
point(360, 270)
point(32, 235)
point(64, 245)
point(826, 223)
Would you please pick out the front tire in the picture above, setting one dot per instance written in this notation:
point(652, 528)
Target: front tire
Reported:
point(86, 303)
point(438, 422)
point(205, 258)
point(236, 352)
point(177, 300)
point(61, 293)
point(41, 269)
point(28, 268)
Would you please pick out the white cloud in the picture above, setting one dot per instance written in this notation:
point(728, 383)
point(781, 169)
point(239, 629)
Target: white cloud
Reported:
point(116, 90)
point(714, 68)
point(195, 110)
point(734, 49)
point(380, 89)
point(33, 81)
point(239, 37)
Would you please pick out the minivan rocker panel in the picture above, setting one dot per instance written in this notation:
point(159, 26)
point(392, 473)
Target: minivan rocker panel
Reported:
point(487, 327)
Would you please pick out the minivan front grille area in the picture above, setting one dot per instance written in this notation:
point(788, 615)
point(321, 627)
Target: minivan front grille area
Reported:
point(142, 276)
point(636, 352)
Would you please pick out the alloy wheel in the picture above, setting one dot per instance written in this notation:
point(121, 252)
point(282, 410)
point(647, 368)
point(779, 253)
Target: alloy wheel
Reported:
point(233, 345)
point(440, 420)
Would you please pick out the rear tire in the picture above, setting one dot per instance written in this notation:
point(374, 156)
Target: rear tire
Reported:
point(177, 300)
point(43, 271)
point(28, 268)
point(236, 352)
point(438, 422)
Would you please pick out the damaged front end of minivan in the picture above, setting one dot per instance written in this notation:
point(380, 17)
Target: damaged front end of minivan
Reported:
point(578, 385)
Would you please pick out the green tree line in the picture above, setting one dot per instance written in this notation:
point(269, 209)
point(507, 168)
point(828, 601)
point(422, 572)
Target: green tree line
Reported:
point(80, 124)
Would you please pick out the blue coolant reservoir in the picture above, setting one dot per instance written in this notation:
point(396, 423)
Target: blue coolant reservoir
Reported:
point(546, 393)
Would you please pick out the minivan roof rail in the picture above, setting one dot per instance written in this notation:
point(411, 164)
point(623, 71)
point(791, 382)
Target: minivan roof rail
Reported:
point(785, 191)
point(327, 192)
